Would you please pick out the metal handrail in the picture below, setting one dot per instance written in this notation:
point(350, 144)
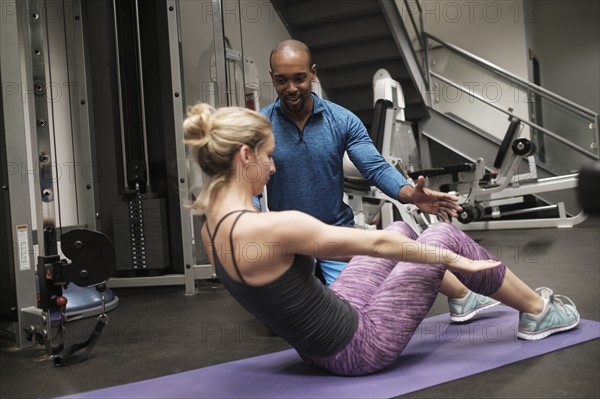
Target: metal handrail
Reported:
point(531, 124)
point(424, 40)
point(510, 76)
point(592, 116)
point(420, 35)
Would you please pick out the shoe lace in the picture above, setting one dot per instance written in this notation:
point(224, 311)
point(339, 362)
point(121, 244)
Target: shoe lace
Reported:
point(557, 299)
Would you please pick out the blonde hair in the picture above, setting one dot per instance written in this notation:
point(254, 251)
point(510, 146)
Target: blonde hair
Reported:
point(214, 136)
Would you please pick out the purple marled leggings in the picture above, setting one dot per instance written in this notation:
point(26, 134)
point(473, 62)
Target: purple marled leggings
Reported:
point(392, 298)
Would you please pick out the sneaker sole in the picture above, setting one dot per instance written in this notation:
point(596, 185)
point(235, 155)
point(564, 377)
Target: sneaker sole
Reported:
point(470, 315)
point(544, 334)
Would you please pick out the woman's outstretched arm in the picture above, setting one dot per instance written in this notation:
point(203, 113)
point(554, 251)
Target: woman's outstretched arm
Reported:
point(301, 233)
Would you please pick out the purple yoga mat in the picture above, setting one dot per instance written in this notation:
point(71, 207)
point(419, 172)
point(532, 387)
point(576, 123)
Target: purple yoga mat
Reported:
point(487, 342)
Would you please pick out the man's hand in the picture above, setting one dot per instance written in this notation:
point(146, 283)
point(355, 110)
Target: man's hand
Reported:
point(430, 201)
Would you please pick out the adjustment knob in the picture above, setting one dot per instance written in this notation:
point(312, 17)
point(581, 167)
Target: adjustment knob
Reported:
point(523, 147)
point(469, 214)
point(61, 301)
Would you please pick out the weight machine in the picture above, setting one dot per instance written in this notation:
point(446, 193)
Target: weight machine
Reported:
point(59, 264)
point(488, 193)
point(92, 259)
point(393, 138)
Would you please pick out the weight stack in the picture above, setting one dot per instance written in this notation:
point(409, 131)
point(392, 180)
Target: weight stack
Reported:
point(140, 234)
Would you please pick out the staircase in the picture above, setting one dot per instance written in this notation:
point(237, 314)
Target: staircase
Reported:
point(350, 40)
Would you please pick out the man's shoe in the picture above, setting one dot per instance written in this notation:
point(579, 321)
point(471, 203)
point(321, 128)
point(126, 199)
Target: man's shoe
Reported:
point(463, 309)
point(555, 317)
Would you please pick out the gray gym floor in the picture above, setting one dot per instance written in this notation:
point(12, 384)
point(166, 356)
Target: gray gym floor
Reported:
point(160, 331)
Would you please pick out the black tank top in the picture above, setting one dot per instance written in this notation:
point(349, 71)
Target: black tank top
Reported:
point(296, 306)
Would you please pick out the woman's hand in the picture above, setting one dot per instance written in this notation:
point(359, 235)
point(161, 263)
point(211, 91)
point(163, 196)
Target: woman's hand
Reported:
point(467, 266)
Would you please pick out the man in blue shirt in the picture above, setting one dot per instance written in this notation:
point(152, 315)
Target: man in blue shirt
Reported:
point(311, 136)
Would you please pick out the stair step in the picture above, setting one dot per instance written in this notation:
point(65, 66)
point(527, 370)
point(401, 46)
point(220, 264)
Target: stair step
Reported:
point(350, 40)
point(356, 54)
point(371, 64)
point(349, 31)
point(365, 116)
point(304, 14)
point(343, 77)
point(355, 98)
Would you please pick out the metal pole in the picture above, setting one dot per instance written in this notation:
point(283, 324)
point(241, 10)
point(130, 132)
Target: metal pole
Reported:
point(120, 93)
point(141, 85)
point(220, 53)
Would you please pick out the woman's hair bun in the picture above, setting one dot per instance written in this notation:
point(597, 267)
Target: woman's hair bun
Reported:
point(197, 125)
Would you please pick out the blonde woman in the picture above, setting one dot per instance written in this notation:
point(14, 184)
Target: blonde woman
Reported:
point(362, 322)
